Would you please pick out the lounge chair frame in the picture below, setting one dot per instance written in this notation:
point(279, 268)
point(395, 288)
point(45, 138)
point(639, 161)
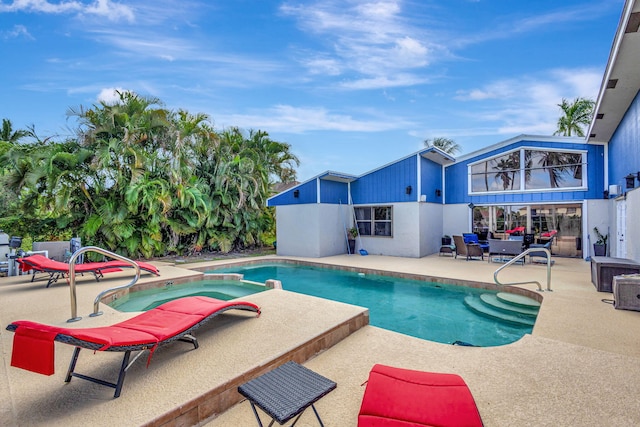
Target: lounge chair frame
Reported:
point(57, 269)
point(184, 335)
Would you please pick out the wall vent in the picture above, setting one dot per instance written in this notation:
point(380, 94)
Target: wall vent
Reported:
point(634, 23)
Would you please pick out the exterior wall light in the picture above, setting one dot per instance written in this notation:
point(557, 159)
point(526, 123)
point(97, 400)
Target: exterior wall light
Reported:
point(408, 189)
point(296, 193)
point(631, 180)
point(438, 193)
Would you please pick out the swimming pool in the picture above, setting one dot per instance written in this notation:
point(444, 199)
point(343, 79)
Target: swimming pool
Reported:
point(150, 298)
point(431, 311)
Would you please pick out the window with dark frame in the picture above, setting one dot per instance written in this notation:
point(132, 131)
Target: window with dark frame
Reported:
point(374, 220)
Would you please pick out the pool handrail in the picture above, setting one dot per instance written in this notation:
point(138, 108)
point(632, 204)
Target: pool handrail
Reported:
point(521, 256)
point(96, 302)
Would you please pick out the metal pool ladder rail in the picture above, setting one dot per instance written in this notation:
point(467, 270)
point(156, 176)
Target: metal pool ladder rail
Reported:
point(96, 302)
point(521, 256)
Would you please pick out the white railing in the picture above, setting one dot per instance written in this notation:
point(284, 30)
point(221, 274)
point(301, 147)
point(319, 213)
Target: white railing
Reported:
point(521, 257)
point(96, 302)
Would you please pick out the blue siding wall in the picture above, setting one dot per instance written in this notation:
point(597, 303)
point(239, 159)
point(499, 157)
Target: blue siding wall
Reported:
point(457, 177)
point(307, 194)
point(624, 147)
point(334, 192)
point(387, 184)
point(431, 180)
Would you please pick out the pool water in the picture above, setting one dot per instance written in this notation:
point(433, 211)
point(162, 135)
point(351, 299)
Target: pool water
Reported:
point(431, 311)
point(151, 298)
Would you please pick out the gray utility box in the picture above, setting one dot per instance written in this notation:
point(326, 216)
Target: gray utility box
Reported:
point(603, 269)
point(626, 292)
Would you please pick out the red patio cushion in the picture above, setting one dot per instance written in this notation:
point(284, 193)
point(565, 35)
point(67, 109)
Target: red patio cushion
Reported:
point(397, 397)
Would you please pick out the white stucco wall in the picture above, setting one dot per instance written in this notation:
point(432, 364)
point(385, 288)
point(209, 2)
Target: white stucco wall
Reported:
point(313, 230)
point(431, 230)
point(406, 234)
point(632, 232)
point(598, 213)
point(456, 219)
point(317, 230)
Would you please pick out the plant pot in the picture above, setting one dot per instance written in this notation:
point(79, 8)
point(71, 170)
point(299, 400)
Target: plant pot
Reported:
point(599, 250)
point(352, 246)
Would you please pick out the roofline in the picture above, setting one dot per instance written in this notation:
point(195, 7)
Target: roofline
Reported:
point(522, 137)
point(415, 153)
point(613, 55)
point(345, 176)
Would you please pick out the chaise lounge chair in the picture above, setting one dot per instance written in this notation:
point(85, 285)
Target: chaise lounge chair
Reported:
point(56, 269)
point(397, 397)
point(470, 250)
point(33, 343)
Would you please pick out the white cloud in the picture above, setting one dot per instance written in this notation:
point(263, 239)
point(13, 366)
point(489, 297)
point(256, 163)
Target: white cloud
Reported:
point(111, 10)
point(529, 104)
point(374, 41)
point(16, 32)
point(286, 118)
point(104, 8)
point(381, 82)
point(109, 95)
point(507, 26)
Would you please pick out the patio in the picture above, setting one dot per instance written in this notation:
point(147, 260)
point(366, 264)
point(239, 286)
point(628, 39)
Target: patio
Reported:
point(579, 366)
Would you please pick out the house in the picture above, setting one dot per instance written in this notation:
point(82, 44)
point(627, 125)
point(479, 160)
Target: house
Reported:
point(544, 183)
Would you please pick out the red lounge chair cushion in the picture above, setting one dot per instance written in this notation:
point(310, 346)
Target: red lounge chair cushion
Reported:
point(33, 350)
point(397, 397)
point(149, 328)
point(42, 263)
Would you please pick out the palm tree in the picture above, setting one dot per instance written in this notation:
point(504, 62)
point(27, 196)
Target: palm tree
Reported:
point(447, 145)
point(575, 115)
point(7, 134)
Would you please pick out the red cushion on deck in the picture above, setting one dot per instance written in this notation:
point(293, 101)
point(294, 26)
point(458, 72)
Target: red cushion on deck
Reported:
point(33, 350)
point(397, 397)
point(33, 342)
point(203, 306)
point(160, 323)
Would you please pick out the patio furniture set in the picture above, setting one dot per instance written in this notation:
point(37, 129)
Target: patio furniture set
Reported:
point(471, 247)
point(393, 396)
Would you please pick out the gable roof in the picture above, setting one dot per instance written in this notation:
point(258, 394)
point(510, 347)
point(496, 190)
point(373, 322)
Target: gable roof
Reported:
point(523, 137)
point(621, 79)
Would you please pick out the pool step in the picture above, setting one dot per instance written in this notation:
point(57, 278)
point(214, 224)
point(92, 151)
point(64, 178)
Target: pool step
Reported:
point(498, 303)
point(490, 305)
point(518, 300)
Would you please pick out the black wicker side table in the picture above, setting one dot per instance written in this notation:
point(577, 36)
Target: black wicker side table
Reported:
point(286, 392)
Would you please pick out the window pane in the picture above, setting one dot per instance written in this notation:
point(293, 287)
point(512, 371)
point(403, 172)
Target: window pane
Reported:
point(363, 213)
point(501, 173)
point(383, 229)
point(552, 169)
point(364, 228)
point(382, 214)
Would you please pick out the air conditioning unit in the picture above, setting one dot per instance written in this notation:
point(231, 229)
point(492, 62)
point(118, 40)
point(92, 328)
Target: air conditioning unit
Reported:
point(615, 190)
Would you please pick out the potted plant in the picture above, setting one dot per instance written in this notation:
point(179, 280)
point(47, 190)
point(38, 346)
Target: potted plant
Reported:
point(600, 246)
point(352, 233)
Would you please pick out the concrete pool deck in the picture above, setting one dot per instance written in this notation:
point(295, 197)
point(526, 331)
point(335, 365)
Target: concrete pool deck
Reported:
point(578, 367)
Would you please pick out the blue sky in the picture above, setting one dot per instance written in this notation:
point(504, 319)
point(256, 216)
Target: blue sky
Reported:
point(351, 85)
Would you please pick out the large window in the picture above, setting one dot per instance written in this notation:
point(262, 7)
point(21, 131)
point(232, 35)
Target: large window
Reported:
point(528, 169)
point(552, 169)
point(374, 220)
point(565, 220)
point(498, 174)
